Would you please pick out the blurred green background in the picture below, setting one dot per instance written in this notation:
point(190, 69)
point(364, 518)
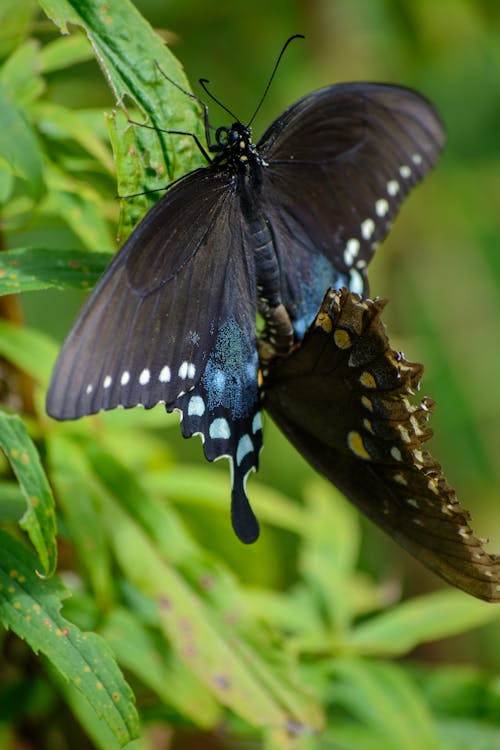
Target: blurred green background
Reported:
point(439, 267)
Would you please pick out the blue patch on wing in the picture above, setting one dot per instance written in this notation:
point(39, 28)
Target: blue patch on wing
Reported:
point(224, 409)
point(230, 377)
point(321, 275)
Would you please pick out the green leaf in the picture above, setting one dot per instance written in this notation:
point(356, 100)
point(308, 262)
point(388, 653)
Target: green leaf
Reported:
point(142, 652)
point(383, 697)
point(39, 519)
point(31, 269)
point(330, 549)
point(62, 53)
point(127, 47)
point(155, 517)
point(461, 691)
point(80, 206)
point(79, 498)
point(12, 503)
point(464, 734)
point(138, 171)
point(32, 351)
point(236, 675)
point(99, 732)
point(20, 74)
point(420, 620)
point(19, 145)
point(62, 124)
point(129, 52)
point(6, 183)
point(30, 607)
point(16, 22)
point(172, 544)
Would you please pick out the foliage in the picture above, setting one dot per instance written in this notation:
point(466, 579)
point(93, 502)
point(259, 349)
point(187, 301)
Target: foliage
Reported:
point(289, 644)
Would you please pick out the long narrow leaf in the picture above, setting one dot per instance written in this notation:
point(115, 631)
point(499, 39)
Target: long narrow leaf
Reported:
point(236, 678)
point(19, 146)
point(39, 519)
point(32, 269)
point(30, 350)
point(420, 620)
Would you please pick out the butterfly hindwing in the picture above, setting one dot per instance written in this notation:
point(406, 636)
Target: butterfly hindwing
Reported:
point(237, 438)
point(343, 398)
point(339, 163)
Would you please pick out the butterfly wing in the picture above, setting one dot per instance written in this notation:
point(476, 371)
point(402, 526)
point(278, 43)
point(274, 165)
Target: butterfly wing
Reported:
point(343, 399)
point(172, 320)
point(339, 163)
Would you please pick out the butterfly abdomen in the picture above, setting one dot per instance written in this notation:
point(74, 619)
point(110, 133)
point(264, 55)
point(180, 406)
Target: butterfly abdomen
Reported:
point(277, 338)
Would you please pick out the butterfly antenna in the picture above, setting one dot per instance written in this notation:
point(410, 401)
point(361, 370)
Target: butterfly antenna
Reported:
point(177, 86)
point(203, 83)
point(276, 64)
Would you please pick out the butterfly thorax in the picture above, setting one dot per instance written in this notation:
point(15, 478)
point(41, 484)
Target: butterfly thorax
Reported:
point(236, 148)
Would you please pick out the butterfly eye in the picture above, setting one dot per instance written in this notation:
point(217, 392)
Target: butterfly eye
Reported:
point(222, 136)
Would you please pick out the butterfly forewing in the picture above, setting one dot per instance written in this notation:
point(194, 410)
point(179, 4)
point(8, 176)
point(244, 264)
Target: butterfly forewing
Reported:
point(343, 398)
point(340, 162)
point(143, 335)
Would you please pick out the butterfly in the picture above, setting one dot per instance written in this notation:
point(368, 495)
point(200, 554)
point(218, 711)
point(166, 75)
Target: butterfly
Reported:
point(265, 227)
point(344, 399)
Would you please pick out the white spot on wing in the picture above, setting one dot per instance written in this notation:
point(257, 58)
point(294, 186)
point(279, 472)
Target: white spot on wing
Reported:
point(183, 370)
point(393, 187)
point(416, 159)
point(367, 228)
point(196, 406)
point(257, 423)
point(245, 446)
point(125, 377)
point(107, 381)
point(144, 376)
point(405, 171)
point(164, 376)
point(191, 370)
point(351, 251)
point(381, 207)
point(357, 284)
point(89, 389)
point(219, 429)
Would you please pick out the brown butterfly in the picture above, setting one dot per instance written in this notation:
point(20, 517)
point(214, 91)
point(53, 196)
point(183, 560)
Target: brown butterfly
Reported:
point(343, 398)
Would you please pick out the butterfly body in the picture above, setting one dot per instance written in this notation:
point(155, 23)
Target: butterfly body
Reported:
point(265, 227)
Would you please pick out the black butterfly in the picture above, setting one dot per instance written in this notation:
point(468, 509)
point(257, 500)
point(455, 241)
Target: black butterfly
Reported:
point(266, 227)
point(343, 399)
